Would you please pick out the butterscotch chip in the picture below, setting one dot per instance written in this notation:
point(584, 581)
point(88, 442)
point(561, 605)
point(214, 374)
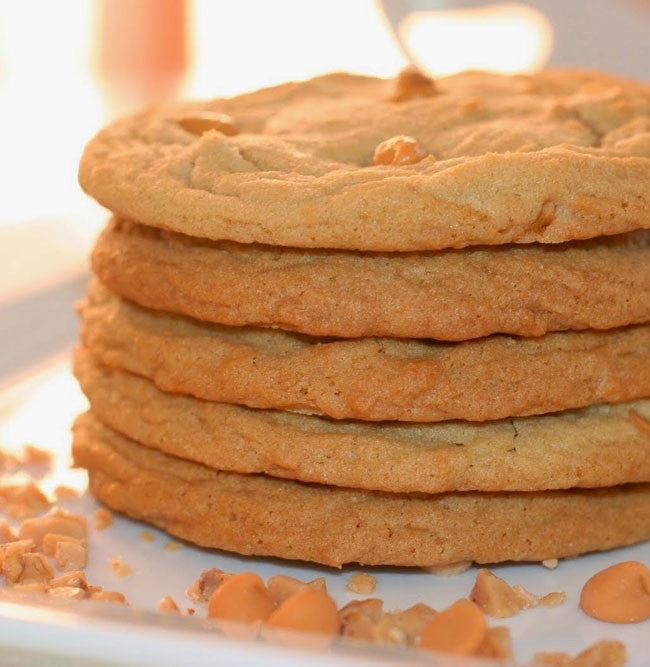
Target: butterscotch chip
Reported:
point(450, 570)
point(36, 569)
point(399, 151)
point(207, 583)
point(168, 605)
point(600, 444)
point(58, 522)
point(119, 568)
point(550, 563)
point(334, 293)
point(103, 519)
point(146, 536)
point(361, 583)
point(23, 500)
point(262, 515)
point(572, 138)
point(204, 121)
point(282, 587)
point(70, 556)
point(72, 579)
point(412, 83)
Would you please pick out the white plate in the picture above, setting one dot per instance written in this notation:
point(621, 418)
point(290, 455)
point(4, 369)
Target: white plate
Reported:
point(40, 411)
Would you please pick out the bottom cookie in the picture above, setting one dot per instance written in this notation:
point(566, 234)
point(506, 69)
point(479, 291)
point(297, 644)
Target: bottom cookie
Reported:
point(265, 516)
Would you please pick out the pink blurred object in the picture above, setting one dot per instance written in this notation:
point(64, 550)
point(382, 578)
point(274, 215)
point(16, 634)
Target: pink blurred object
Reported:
point(143, 50)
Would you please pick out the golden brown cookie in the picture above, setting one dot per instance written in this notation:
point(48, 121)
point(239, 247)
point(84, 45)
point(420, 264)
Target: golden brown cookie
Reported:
point(599, 446)
point(549, 157)
point(450, 295)
point(264, 516)
point(370, 379)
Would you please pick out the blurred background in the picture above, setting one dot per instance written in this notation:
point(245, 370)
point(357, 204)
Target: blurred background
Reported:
point(67, 68)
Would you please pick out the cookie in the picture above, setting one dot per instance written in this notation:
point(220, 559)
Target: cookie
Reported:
point(599, 446)
point(549, 157)
point(370, 379)
point(451, 295)
point(264, 516)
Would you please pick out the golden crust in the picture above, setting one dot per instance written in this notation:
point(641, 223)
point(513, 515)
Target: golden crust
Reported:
point(252, 514)
point(547, 157)
point(450, 295)
point(599, 446)
point(369, 379)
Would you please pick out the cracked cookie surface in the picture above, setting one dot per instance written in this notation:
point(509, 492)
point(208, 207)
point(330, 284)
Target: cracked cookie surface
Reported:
point(548, 157)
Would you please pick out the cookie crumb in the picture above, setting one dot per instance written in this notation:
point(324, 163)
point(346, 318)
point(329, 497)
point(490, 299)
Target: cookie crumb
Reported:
point(22, 501)
point(500, 600)
point(7, 533)
point(112, 597)
point(190, 612)
point(119, 568)
point(550, 563)
point(34, 456)
point(57, 522)
point(362, 584)
point(173, 546)
point(103, 519)
point(168, 606)
point(63, 491)
point(605, 653)
point(207, 583)
point(450, 570)
point(69, 556)
point(146, 536)
point(281, 587)
point(36, 569)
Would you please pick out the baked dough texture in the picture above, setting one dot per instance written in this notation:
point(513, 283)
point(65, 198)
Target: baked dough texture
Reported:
point(370, 379)
point(547, 157)
point(450, 295)
point(592, 447)
point(263, 516)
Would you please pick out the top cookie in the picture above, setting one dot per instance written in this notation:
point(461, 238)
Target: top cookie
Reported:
point(549, 157)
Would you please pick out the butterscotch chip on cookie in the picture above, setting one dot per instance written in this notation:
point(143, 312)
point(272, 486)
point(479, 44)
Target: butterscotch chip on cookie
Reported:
point(547, 157)
point(370, 379)
point(596, 446)
point(454, 295)
point(269, 516)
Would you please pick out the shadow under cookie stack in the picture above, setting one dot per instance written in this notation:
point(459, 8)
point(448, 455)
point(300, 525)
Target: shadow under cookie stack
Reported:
point(387, 322)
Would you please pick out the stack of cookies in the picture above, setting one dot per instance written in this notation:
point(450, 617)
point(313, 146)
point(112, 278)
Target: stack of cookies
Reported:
point(395, 322)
